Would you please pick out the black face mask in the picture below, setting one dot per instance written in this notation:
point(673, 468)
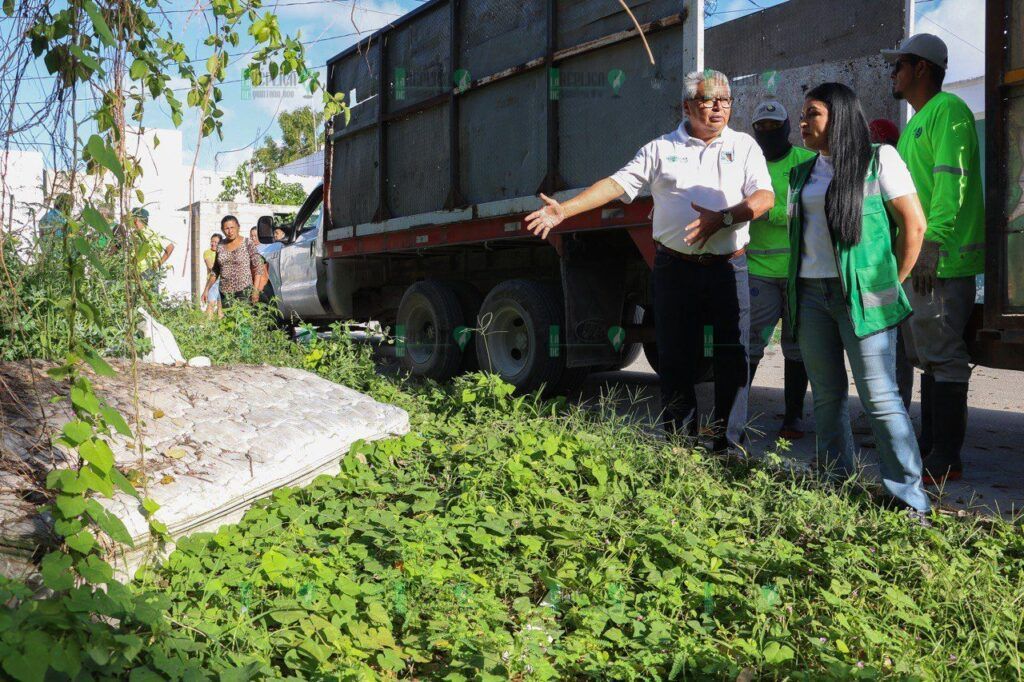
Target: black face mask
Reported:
point(774, 143)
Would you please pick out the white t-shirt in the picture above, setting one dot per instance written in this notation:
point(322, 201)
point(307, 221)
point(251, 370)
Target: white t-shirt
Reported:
point(817, 259)
point(680, 170)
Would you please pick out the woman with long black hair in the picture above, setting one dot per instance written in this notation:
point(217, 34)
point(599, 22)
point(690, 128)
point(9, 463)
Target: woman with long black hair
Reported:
point(844, 284)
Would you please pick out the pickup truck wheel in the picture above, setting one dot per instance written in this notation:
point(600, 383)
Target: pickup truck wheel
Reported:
point(429, 314)
point(518, 315)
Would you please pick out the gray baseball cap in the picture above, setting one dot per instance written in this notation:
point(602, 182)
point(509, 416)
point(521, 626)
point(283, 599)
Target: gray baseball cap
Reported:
point(770, 110)
point(924, 45)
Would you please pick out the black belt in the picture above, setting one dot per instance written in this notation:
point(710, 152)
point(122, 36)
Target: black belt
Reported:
point(701, 258)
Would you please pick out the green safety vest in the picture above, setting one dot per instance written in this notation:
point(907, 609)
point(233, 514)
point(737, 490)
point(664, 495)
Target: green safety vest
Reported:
point(867, 271)
point(940, 147)
point(768, 250)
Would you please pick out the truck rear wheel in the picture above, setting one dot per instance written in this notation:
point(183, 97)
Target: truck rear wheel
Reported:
point(427, 318)
point(519, 315)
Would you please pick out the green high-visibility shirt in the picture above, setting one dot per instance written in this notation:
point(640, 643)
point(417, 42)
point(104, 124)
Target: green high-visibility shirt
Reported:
point(940, 147)
point(768, 250)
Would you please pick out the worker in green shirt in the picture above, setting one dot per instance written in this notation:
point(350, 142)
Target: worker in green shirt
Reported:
point(152, 252)
point(940, 147)
point(768, 262)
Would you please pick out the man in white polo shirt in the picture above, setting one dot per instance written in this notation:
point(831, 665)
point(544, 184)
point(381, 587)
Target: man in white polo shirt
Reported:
point(708, 182)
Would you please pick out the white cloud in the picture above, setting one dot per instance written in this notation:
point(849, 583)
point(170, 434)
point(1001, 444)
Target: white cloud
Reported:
point(961, 24)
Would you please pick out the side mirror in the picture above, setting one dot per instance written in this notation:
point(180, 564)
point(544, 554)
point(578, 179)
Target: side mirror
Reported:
point(265, 229)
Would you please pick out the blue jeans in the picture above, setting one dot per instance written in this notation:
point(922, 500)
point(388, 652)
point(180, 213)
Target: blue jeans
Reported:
point(687, 297)
point(824, 331)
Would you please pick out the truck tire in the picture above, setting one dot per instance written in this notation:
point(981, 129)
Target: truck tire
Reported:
point(428, 314)
point(518, 315)
point(470, 300)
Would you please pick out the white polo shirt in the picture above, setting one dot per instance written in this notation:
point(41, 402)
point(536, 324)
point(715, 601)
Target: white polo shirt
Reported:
point(680, 169)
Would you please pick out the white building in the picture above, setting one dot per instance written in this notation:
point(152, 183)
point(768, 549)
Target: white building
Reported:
point(971, 91)
point(22, 203)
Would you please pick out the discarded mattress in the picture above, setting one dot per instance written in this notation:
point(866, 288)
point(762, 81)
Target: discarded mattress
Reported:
point(217, 439)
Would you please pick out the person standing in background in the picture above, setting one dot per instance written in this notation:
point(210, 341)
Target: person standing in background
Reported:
point(152, 251)
point(940, 147)
point(210, 258)
point(237, 267)
point(768, 260)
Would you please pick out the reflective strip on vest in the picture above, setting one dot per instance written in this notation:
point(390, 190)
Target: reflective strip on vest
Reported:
point(767, 252)
point(878, 299)
point(967, 248)
point(952, 170)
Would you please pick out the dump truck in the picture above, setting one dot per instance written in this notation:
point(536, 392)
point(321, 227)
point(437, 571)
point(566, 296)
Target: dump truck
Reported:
point(461, 113)
point(996, 332)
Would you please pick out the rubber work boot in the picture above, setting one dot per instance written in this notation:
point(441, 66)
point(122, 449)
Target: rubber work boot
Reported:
point(924, 442)
point(949, 427)
point(795, 383)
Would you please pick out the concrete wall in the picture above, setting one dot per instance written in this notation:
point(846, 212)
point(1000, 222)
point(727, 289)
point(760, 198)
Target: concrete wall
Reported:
point(801, 32)
point(868, 76)
point(788, 49)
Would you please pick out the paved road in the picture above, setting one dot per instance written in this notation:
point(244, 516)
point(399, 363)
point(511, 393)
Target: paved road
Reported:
point(993, 455)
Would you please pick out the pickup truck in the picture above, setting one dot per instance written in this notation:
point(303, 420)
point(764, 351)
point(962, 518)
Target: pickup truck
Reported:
point(453, 132)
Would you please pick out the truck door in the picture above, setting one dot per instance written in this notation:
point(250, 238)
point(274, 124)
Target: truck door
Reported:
point(300, 262)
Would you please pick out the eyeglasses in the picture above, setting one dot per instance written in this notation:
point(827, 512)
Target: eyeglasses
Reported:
point(898, 64)
point(723, 102)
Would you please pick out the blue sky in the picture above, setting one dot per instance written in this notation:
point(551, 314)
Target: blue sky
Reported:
point(328, 26)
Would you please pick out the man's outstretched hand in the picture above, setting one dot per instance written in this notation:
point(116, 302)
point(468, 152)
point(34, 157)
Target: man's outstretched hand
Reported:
point(543, 220)
point(708, 222)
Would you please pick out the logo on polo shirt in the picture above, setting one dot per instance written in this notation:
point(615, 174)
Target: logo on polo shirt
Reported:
point(727, 156)
point(917, 133)
point(672, 159)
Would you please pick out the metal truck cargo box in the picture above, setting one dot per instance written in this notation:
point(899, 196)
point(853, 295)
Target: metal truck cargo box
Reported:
point(459, 103)
point(461, 109)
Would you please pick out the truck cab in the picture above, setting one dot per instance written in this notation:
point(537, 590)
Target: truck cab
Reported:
point(297, 271)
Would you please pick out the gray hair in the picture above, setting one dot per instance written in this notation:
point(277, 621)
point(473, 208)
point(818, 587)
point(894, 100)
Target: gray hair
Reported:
point(695, 78)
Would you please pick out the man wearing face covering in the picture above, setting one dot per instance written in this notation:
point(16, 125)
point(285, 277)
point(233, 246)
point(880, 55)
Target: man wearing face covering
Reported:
point(768, 258)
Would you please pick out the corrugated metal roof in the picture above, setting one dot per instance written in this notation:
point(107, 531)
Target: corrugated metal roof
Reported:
point(312, 165)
